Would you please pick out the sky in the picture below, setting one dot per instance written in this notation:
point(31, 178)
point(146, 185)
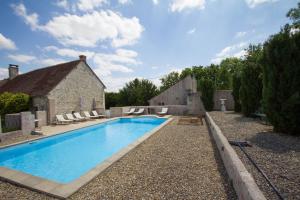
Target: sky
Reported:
point(125, 39)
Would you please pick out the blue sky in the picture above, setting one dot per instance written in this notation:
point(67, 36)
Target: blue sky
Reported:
point(124, 39)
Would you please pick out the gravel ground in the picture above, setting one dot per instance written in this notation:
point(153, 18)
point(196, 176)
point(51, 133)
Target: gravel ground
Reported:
point(178, 162)
point(278, 155)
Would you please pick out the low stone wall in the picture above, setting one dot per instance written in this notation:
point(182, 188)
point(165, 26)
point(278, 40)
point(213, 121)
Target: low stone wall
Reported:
point(172, 110)
point(243, 182)
point(41, 116)
point(13, 121)
point(223, 94)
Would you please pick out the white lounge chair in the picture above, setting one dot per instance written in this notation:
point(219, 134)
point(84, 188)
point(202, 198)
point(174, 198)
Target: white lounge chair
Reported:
point(61, 120)
point(71, 117)
point(163, 111)
point(140, 111)
point(94, 112)
point(87, 114)
point(78, 116)
point(130, 111)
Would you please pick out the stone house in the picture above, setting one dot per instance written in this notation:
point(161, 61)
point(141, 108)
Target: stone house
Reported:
point(58, 89)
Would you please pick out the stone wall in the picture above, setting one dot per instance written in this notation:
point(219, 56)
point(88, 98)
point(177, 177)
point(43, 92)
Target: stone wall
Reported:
point(80, 90)
point(13, 121)
point(41, 116)
point(27, 122)
point(223, 94)
point(40, 103)
point(177, 94)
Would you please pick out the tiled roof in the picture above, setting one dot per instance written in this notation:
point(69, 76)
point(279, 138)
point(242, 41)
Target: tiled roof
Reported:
point(41, 81)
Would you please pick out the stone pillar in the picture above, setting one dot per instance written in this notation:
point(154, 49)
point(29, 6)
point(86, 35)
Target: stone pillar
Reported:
point(51, 110)
point(27, 122)
point(41, 116)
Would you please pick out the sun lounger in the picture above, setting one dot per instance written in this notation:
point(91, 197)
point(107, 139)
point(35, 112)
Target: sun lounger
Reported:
point(87, 114)
point(94, 112)
point(61, 120)
point(140, 111)
point(163, 111)
point(71, 117)
point(131, 111)
point(78, 116)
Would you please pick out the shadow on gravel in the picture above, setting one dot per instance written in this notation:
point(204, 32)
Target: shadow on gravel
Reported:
point(230, 192)
point(276, 142)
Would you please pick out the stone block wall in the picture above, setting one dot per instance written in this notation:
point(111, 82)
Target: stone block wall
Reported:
point(81, 90)
point(27, 122)
point(41, 116)
point(177, 94)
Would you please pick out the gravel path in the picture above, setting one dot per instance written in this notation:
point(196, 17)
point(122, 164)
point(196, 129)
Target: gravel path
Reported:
point(178, 162)
point(278, 155)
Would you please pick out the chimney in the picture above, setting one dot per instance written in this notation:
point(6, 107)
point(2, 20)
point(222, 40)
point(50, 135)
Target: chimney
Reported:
point(13, 71)
point(82, 58)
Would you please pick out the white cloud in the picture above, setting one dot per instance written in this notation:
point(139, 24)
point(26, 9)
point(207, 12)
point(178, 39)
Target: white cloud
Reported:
point(72, 53)
point(125, 1)
point(113, 84)
point(86, 5)
point(236, 50)
point(21, 58)
point(89, 29)
point(254, 3)
point(50, 61)
point(155, 2)
point(191, 31)
point(240, 34)
point(3, 73)
point(180, 5)
point(118, 62)
point(30, 19)
point(6, 43)
point(63, 4)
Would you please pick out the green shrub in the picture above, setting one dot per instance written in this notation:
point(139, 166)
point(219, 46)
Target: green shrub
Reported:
point(207, 88)
point(236, 85)
point(13, 103)
point(251, 81)
point(281, 94)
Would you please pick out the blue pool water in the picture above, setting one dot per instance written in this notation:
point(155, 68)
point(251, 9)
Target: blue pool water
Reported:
point(63, 158)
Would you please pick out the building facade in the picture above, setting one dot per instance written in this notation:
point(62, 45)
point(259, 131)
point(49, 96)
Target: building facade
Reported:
point(59, 89)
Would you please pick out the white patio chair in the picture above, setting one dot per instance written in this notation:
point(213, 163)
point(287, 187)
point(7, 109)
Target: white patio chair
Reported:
point(87, 114)
point(140, 111)
point(61, 120)
point(163, 111)
point(94, 112)
point(130, 111)
point(78, 116)
point(71, 117)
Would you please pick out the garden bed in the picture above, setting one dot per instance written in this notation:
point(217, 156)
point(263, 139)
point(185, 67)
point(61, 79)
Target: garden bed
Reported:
point(278, 155)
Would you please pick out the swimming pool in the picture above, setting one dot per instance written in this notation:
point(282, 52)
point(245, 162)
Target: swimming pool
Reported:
point(64, 158)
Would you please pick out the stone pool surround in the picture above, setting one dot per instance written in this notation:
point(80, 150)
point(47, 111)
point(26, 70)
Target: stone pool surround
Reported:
point(63, 191)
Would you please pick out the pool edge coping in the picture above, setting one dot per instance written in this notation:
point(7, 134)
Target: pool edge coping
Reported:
point(63, 191)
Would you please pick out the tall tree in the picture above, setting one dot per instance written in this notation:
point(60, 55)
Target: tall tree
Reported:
point(281, 93)
point(251, 81)
point(137, 92)
point(169, 80)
